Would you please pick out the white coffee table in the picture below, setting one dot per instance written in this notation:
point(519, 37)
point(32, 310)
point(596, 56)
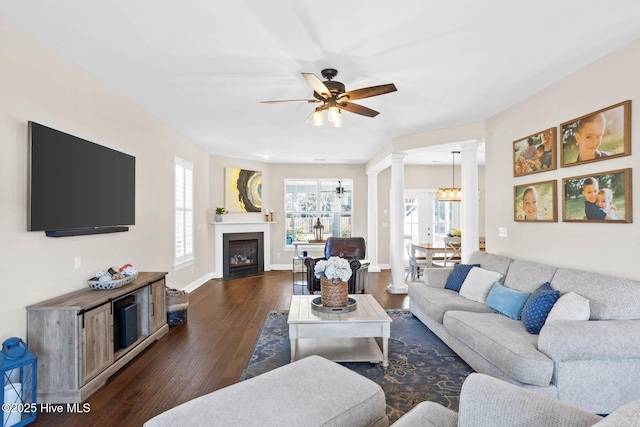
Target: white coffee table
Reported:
point(345, 337)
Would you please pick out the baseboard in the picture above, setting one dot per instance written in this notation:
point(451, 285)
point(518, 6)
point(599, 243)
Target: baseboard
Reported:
point(198, 282)
point(281, 266)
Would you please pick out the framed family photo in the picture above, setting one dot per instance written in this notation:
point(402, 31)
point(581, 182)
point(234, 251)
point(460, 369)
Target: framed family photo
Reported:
point(536, 202)
point(535, 153)
point(597, 136)
point(604, 197)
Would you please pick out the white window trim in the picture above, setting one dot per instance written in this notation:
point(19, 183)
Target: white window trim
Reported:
point(290, 247)
point(187, 258)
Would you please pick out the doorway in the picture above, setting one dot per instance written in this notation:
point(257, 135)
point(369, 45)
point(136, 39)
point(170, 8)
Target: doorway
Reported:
point(428, 220)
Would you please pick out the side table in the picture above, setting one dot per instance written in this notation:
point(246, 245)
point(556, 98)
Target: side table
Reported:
point(299, 276)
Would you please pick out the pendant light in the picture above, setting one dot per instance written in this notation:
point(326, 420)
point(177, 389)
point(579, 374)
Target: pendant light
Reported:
point(452, 194)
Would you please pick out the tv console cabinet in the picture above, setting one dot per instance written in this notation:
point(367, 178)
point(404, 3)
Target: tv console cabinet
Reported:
point(73, 336)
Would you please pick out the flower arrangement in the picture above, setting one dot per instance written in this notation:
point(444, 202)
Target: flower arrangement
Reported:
point(455, 232)
point(333, 268)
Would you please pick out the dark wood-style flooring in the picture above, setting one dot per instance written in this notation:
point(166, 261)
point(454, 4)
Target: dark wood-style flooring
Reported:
point(206, 353)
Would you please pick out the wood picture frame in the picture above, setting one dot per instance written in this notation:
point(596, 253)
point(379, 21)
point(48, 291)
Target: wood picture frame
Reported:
point(601, 135)
point(535, 153)
point(612, 200)
point(536, 202)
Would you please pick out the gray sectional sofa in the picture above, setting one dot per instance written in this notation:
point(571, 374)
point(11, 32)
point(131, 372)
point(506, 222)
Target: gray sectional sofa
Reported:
point(593, 365)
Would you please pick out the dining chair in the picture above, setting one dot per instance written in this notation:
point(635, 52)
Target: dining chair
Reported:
point(452, 250)
point(417, 263)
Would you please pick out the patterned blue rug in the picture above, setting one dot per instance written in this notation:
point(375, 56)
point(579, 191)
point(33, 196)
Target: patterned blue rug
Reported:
point(421, 366)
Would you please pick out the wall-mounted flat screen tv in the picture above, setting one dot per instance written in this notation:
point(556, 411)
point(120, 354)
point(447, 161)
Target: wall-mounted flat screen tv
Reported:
point(76, 186)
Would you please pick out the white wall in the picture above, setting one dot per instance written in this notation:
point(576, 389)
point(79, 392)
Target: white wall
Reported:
point(608, 248)
point(37, 85)
point(273, 176)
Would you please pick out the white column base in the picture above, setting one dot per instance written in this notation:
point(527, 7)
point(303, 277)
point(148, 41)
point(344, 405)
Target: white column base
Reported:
point(398, 290)
point(374, 269)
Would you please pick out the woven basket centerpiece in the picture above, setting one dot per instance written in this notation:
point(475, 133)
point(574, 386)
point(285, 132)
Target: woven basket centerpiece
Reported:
point(334, 292)
point(333, 274)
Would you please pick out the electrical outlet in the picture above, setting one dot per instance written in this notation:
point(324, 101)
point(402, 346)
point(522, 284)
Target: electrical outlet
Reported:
point(77, 262)
point(502, 231)
point(277, 254)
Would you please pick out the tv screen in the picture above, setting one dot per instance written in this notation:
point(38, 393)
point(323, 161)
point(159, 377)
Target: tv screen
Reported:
point(78, 185)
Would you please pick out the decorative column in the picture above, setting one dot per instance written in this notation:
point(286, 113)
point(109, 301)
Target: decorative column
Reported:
point(396, 228)
point(469, 205)
point(372, 221)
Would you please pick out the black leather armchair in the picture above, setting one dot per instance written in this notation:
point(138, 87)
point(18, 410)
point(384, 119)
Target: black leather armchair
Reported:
point(350, 248)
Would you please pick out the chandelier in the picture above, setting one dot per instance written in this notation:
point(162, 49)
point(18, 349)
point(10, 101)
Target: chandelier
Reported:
point(453, 193)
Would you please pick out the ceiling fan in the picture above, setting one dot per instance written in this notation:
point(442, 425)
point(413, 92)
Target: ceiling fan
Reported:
point(334, 98)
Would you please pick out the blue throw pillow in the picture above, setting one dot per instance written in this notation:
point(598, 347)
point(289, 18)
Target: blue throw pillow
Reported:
point(457, 276)
point(537, 308)
point(506, 301)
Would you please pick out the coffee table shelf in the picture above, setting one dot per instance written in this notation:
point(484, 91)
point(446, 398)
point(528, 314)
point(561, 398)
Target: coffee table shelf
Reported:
point(342, 337)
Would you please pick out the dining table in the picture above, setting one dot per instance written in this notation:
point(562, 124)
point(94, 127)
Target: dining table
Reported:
point(440, 251)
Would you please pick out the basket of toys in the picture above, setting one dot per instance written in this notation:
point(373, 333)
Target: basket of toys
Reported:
point(112, 279)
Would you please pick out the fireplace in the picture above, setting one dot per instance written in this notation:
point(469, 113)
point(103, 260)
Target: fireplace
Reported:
point(242, 254)
point(222, 228)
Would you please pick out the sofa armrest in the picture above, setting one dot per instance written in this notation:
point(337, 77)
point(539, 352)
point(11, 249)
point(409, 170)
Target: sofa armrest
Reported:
point(593, 339)
point(488, 402)
point(435, 277)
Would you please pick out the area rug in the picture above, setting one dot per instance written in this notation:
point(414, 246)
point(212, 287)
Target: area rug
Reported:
point(421, 366)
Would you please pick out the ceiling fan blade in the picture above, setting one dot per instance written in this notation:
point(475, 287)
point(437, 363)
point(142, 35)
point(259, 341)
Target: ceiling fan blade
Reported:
point(367, 92)
point(358, 109)
point(317, 85)
point(310, 101)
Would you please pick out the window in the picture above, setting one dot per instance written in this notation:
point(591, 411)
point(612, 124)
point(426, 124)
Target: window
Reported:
point(183, 214)
point(445, 216)
point(306, 200)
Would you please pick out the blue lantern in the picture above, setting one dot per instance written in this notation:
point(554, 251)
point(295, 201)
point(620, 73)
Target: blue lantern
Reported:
point(18, 368)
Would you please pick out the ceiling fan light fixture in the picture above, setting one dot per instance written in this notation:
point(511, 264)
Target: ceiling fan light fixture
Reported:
point(335, 116)
point(317, 118)
point(332, 114)
point(453, 193)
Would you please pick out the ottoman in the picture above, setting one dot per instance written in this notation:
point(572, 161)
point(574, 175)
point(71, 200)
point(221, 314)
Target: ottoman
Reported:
point(309, 392)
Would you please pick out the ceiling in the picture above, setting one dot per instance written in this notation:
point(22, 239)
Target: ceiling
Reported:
point(202, 66)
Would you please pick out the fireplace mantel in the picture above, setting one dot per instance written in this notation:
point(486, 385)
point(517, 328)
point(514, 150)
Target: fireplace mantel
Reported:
point(220, 228)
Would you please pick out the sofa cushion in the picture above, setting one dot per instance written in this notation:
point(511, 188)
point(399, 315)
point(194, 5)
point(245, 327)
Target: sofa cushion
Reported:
point(478, 283)
point(311, 391)
point(527, 276)
point(493, 262)
point(537, 308)
point(428, 414)
point(569, 306)
point(435, 302)
point(506, 301)
point(504, 343)
point(609, 297)
point(457, 276)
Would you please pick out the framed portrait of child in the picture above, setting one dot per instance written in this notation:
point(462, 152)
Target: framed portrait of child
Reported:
point(535, 153)
point(601, 135)
point(603, 197)
point(535, 202)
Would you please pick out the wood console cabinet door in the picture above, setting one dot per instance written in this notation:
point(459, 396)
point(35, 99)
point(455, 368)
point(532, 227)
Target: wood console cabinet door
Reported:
point(97, 341)
point(158, 308)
